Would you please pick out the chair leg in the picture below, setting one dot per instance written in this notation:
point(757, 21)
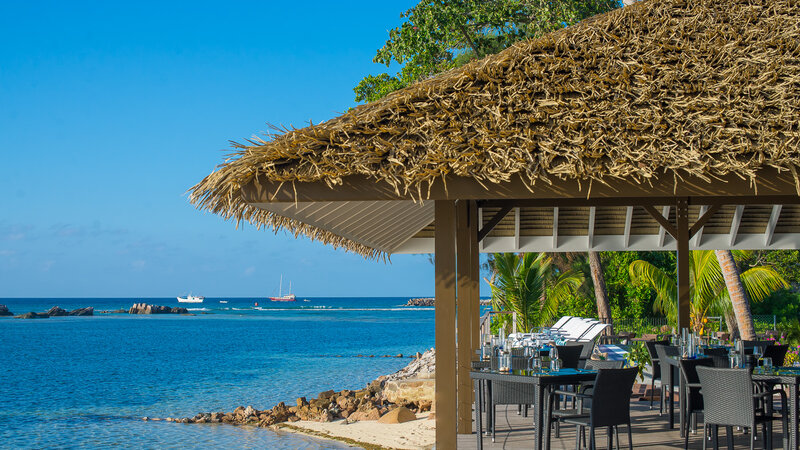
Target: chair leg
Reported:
point(630, 437)
point(686, 437)
point(610, 432)
point(494, 421)
point(652, 390)
point(578, 433)
point(729, 435)
point(616, 436)
point(705, 435)
point(591, 439)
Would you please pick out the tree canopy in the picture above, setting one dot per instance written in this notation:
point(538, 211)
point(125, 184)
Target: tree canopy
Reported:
point(438, 35)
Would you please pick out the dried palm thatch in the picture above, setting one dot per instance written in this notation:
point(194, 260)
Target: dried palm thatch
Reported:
point(702, 87)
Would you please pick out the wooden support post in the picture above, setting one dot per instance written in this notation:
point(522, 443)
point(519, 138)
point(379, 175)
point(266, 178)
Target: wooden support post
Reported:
point(464, 315)
point(682, 228)
point(445, 273)
point(475, 277)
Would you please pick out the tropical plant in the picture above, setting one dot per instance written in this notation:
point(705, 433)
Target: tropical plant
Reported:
point(707, 288)
point(529, 285)
point(438, 35)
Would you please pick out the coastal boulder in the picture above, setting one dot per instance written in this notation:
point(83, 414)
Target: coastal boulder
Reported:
point(88, 311)
point(4, 311)
point(144, 308)
point(56, 311)
point(32, 315)
point(398, 415)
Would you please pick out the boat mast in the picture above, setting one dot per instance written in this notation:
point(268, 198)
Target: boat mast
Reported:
point(280, 287)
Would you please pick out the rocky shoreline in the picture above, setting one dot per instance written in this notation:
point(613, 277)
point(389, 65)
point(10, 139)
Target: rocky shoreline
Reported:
point(430, 301)
point(379, 401)
point(57, 311)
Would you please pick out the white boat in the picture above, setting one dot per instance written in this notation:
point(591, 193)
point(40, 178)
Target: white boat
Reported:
point(284, 298)
point(191, 299)
point(223, 301)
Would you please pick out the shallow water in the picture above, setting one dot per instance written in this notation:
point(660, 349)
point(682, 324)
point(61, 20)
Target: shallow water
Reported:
point(88, 381)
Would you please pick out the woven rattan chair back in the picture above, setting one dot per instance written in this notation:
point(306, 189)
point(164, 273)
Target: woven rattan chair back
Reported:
point(719, 356)
point(727, 396)
point(593, 364)
point(777, 353)
point(611, 397)
point(749, 345)
point(651, 350)
point(570, 355)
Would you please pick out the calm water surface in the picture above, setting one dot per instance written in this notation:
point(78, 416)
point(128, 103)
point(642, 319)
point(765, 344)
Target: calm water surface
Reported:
point(88, 381)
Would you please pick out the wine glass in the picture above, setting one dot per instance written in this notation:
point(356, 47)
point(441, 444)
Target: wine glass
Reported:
point(758, 354)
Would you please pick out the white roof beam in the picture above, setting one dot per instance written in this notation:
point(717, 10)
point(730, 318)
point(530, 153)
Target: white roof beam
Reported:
point(555, 227)
point(773, 221)
point(480, 225)
point(737, 219)
point(516, 228)
point(626, 237)
point(698, 238)
point(662, 232)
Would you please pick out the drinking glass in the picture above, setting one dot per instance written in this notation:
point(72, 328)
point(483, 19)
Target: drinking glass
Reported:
point(767, 362)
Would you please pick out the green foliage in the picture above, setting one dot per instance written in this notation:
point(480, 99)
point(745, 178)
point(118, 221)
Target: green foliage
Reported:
point(784, 304)
point(628, 299)
point(528, 285)
point(790, 331)
point(785, 262)
point(438, 35)
point(638, 356)
point(709, 295)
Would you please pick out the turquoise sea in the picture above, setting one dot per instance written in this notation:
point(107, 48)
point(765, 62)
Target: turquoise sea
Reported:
point(88, 381)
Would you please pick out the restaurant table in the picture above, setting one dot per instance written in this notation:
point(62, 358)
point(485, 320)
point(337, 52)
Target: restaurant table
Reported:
point(790, 377)
point(542, 380)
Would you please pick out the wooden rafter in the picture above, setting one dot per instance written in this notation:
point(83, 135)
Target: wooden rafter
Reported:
point(493, 222)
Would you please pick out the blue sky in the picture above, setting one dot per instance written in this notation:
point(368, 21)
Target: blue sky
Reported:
point(109, 112)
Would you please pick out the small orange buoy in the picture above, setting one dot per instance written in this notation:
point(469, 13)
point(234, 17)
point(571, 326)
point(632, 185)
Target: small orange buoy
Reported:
point(256, 303)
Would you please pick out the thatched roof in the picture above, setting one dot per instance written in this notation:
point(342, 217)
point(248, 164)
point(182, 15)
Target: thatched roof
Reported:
point(705, 88)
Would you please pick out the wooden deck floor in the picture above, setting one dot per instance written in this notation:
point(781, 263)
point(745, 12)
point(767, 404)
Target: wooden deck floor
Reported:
point(649, 432)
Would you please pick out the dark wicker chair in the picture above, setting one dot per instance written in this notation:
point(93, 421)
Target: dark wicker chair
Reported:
point(694, 399)
point(607, 406)
point(750, 345)
point(510, 393)
point(719, 355)
point(666, 351)
point(570, 355)
point(656, 368)
point(726, 403)
point(777, 353)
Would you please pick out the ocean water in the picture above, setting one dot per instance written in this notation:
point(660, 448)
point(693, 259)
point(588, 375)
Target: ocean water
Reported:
point(88, 381)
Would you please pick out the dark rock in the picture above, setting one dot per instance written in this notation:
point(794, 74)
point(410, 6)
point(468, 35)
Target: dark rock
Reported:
point(4, 311)
point(144, 308)
point(421, 302)
point(32, 315)
point(55, 311)
point(326, 394)
point(88, 311)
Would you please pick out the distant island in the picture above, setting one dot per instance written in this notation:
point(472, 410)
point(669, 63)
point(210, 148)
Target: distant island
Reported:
point(430, 301)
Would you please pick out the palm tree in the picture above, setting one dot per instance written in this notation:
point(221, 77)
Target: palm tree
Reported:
point(740, 301)
point(529, 285)
point(707, 286)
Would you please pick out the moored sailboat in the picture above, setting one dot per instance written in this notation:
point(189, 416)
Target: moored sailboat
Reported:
point(284, 298)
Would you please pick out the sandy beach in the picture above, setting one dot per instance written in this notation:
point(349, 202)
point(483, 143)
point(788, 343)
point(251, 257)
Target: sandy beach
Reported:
point(416, 434)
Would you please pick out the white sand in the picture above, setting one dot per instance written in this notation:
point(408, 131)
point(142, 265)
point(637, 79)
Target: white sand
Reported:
point(417, 434)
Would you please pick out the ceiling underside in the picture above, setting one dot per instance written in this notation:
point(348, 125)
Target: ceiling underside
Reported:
point(402, 226)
